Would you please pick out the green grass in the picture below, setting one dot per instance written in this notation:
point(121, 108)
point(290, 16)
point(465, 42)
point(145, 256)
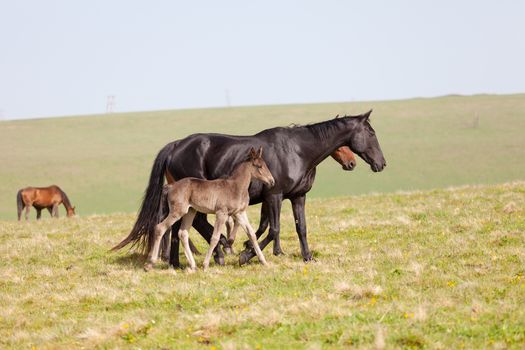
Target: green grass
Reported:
point(441, 269)
point(103, 162)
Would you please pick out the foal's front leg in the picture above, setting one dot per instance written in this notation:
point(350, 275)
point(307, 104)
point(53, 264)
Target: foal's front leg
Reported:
point(221, 218)
point(242, 219)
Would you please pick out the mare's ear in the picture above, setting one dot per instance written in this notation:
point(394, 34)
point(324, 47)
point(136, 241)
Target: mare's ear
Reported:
point(260, 152)
point(366, 116)
point(253, 154)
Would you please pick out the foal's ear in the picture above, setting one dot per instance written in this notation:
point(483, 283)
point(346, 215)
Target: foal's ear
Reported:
point(260, 152)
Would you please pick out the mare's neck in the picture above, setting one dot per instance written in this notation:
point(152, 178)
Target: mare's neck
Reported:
point(320, 140)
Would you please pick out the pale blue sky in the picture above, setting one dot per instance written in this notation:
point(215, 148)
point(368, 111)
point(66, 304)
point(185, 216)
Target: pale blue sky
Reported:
point(64, 57)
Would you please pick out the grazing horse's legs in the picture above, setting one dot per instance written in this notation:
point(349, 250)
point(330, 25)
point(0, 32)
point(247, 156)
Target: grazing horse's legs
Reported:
point(50, 210)
point(55, 210)
point(242, 220)
point(219, 222)
point(300, 225)
point(160, 229)
point(38, 213)
point(27, 211)
point(184, 237)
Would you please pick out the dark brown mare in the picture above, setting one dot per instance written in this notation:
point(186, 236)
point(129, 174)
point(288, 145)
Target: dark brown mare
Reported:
point(43, 198)
point(292, 155)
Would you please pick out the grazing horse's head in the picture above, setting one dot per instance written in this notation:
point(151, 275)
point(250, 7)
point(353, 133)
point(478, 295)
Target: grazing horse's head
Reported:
point(344, 156)
point(70, 212)
point(259, 169)
point(363, 142)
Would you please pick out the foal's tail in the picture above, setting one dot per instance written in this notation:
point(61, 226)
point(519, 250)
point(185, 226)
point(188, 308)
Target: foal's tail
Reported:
point(19, 204)
point(141, 234)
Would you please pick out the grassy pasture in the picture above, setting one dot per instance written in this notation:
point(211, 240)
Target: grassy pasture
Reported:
point(440, 269)
point(103, 161)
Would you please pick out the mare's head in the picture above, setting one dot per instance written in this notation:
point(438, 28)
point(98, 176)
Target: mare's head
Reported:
point(363, 142)
point(259, 169)
point(344, 156)
point(70, 212)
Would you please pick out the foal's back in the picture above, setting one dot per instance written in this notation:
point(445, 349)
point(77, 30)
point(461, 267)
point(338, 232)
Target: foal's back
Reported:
point(208, 196)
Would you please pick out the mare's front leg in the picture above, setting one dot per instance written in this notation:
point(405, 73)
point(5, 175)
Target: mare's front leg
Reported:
point(55, 210)
point(221, 218)
point(300, 225)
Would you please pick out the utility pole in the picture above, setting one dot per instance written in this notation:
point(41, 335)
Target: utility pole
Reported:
point(110, 104)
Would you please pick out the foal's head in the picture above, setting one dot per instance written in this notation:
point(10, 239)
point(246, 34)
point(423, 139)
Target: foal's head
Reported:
point(259, 169)
point(70, 212)
point(344, 156)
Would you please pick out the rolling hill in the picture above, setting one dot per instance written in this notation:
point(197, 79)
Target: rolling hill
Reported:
point(103, 161)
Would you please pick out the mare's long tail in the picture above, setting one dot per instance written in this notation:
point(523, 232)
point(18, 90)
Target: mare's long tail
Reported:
point(141, 234)
point(19, 204)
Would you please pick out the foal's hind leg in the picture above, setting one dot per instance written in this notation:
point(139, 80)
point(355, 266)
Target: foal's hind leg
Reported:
point(187, 220)
point(219, 222)
point(160, 229)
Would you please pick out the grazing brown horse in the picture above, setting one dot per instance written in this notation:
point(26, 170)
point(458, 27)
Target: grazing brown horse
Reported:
point(43, 198)
point(222, 197)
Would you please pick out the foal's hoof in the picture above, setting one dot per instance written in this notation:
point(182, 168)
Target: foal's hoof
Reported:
point(191, 270)
point(148, 267)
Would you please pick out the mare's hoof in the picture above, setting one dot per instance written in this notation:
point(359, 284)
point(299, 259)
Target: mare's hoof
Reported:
point(245, 256)
point(278, 252)
point(309, 259)
point(248, 244)
point(148, 267)
point(219, 260)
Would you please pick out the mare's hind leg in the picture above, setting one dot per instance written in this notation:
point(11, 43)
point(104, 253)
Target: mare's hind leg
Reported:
point(160, 229)
point(164, 253)
point(231, 229)
point(242, 219)
point(219, 222)
point(27, 212)
point(187, 220)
